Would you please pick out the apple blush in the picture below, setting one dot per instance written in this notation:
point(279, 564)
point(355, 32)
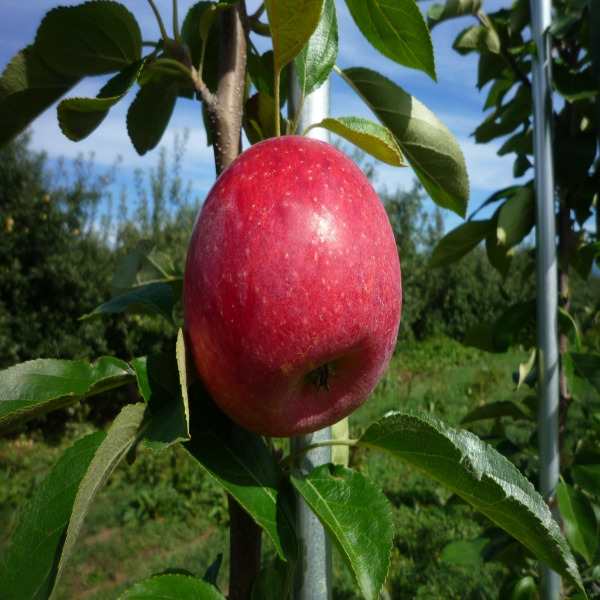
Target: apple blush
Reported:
point(292, 292)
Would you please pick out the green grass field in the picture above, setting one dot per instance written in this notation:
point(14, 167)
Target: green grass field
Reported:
point(161, 512)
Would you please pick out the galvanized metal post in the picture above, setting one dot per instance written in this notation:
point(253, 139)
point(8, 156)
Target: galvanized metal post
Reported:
point(313, 574)
point(547, 285)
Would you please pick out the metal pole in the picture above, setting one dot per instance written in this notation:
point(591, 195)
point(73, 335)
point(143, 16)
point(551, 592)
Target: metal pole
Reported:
point(547, 287)
point(313, 573)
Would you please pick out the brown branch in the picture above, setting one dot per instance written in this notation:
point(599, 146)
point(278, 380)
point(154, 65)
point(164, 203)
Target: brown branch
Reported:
point(225, 110)
point(226, 114)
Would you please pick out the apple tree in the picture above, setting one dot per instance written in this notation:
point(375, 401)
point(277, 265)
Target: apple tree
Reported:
point(211, 57)
point(502, 40)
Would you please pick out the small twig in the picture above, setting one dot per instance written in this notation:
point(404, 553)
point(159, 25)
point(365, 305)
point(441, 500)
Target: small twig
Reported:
point(161, 25)
point(175, 21)
point(203, 91)
point(276, 84)
point(258, 13)
point(150, 44)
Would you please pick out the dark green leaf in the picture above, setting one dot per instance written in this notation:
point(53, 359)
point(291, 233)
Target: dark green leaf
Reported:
point(426, 143)
point(451, 10)
point(481, 476)
point(27, 88)
point(520, 143)
point(243, 464)
point(519, 16)
point(373, 138)
point(121, 436)
point(495, 410)
point(583, 258)
point(574, 85)
point(466, 553)
point(162, 381)
point(587, 474)
point(172, 587)
point(499, 255)
point(34, 388)
point(212, 572)
point(397, 30)
point(78, 117)
point(274, 581)
point(92, 38)
point(587, 366)
point(515, 218)
point(292, 23)
point(498, 91)
point(150, 113)
point(28, 567)
point(521, 165)
point(460, 241)
point(152, 298)
point(477, 37)
point(563, 25)
point(315, 61)
point(581, 526)
point(357, 517)
point(259, 117)
point(491, 66)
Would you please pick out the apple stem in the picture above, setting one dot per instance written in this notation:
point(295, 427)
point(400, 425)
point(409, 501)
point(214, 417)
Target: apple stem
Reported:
point(291, 458)
point(276, 85)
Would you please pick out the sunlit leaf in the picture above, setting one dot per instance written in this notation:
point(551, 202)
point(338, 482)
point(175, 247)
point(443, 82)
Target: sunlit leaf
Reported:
point(427, 144)
point(373, 138)
point(397, 29)
point(357, 517)
point(33, 388)
point(479, 475)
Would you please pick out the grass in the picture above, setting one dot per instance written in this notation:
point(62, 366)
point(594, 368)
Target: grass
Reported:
point(160, 512)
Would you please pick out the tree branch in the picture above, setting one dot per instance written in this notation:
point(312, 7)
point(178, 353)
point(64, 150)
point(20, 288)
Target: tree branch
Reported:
point(225, 110)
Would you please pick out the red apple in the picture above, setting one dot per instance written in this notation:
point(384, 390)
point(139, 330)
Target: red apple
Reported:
point(292, 290)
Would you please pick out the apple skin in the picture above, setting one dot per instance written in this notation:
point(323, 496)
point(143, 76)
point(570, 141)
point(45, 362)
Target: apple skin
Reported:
point(292, 290)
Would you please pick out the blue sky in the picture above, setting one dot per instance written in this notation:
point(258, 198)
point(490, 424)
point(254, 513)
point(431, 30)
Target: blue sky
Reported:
point(454, 99)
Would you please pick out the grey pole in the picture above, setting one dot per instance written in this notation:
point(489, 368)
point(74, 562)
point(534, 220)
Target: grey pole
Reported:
point(313, 573)
point(547, 287)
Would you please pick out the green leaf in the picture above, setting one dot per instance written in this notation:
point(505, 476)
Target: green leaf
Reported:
point(397, 29)
point(28, 87)
point(150, 113)
point(495, 410)
point(566, 322)
point(163, 383)
point(426, 143)
point(521, 143)
point(585, 256)
point(317, 58)
point(515, 218)
point(89, 39)
point(587, 366)
point(28, 566)
point(274, 581)
point(371, 137)
point(242, 463)
point(152, 298)
point(121, 436)
point(479, 475)
point(525, 589)
point(477, 37)
point(465, 553)
point(574, 85)
point(451, 10)
point(36, 387)
point(358, 518)
point(259, 117)
point(579, 520)
point(78, 117)
point(459, 242)
point(587, 475)
point(172, 587)
point(292, 24)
